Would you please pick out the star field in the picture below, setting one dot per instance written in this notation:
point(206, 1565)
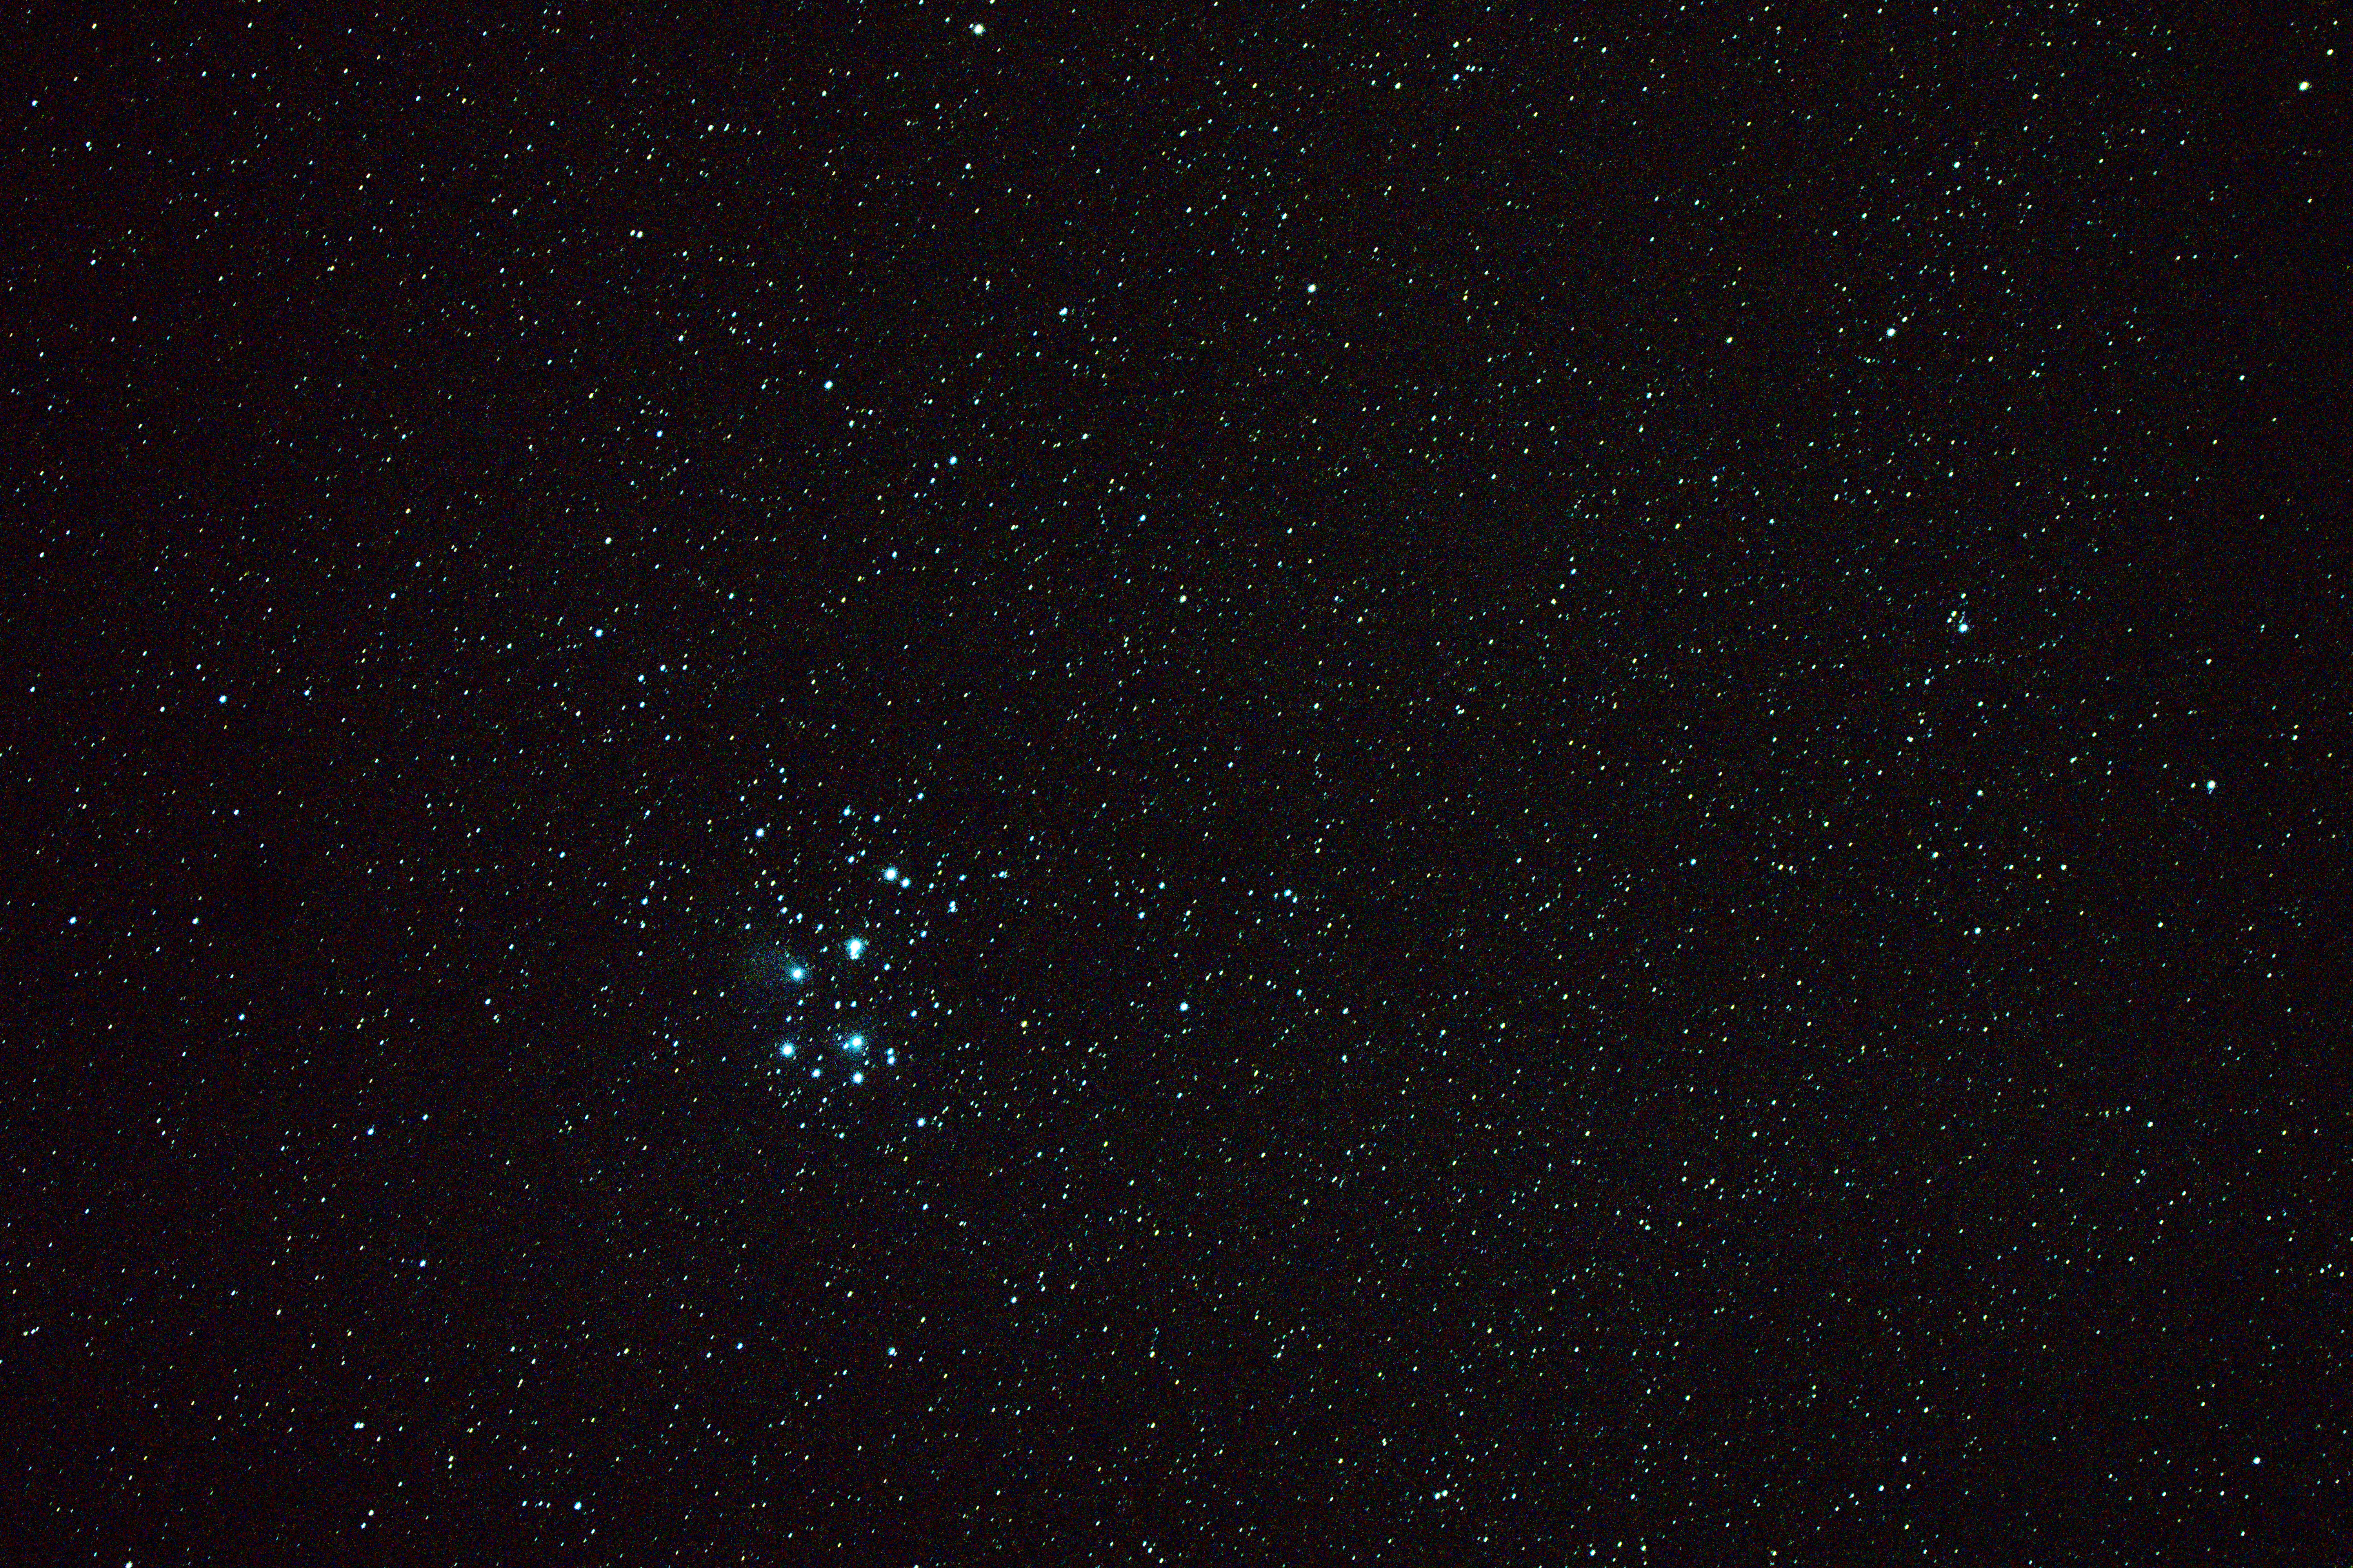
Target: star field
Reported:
point(929, 785)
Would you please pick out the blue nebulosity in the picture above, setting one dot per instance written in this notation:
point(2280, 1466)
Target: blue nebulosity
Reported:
point(829, 975)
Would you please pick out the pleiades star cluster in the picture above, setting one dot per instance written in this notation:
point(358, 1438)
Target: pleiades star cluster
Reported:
point(828, 998)
point(912, 784)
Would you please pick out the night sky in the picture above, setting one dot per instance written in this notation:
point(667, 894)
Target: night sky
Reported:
point(909, 784)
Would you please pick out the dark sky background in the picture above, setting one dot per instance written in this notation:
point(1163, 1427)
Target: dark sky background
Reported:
point(892, 782)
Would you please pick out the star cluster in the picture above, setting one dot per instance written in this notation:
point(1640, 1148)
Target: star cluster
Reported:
point(831, 1001)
